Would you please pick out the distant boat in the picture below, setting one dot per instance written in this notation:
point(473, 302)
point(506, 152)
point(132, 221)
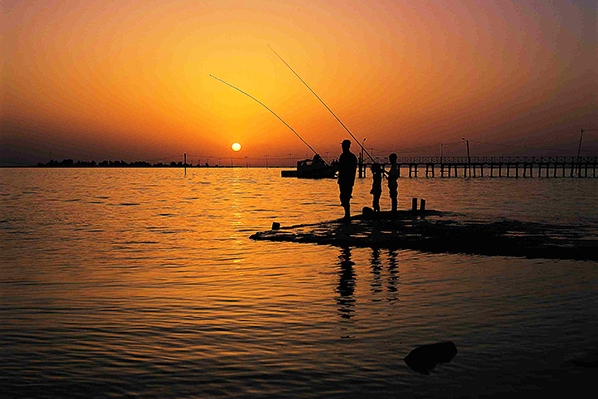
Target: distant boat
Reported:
point(315, 168)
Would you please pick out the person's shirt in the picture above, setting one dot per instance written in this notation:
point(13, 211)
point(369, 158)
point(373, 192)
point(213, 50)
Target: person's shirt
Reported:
point(376, 179)
point(347, 164)
point(376, 182)
point(393, 176)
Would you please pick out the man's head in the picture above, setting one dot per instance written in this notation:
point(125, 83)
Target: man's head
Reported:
point(346, 144)
point(392, 158)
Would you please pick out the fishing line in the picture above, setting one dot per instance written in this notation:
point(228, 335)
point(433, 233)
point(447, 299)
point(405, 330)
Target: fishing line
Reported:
point(327, 107)
point(265, 106)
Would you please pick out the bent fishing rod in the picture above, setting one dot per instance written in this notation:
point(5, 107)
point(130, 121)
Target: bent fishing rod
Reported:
point(322, 101)
point(265, 106)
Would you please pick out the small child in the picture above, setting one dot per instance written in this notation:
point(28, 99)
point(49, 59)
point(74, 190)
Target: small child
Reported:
point(393, 184)
point(376, 190)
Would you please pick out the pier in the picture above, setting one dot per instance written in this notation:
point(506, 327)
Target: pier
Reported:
point(515, 167)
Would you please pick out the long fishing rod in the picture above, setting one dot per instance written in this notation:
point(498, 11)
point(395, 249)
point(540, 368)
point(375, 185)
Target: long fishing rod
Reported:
point(265, 106)
point(327, 107)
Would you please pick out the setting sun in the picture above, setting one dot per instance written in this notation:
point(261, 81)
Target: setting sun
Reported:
point(236, 147)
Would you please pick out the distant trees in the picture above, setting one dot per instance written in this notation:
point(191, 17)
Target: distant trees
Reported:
point(67, 163)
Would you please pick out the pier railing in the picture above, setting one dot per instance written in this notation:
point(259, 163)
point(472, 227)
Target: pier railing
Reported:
point(504, 166)
point(495, 160)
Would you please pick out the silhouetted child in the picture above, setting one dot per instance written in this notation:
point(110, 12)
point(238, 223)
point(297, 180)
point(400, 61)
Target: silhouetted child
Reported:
point(393, 183)
point(376, 190)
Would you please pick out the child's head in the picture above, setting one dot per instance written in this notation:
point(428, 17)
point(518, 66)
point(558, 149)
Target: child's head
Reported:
point(392, 158)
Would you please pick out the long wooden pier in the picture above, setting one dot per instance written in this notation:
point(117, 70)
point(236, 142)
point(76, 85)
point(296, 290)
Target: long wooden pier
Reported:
point(516, 167)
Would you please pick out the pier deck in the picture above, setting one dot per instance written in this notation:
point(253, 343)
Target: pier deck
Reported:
point(577, 167)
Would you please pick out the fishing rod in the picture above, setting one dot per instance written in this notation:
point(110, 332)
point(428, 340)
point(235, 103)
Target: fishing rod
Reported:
point(265, 106)
point(327, 107)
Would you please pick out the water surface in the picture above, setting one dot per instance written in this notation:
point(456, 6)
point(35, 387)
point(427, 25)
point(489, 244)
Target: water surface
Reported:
point(143, 282)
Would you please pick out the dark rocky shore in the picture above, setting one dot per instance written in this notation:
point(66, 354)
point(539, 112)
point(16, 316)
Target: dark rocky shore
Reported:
point(438, 232)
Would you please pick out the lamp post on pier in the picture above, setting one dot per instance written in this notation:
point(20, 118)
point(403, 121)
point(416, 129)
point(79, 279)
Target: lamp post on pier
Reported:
point(468, 157)
point(441, 144)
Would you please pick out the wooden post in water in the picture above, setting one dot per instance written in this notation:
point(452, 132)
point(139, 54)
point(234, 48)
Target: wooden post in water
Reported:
point(422, 205)
point(185, 162)
point(361, 167)
point(414, 204)
point(586, 170)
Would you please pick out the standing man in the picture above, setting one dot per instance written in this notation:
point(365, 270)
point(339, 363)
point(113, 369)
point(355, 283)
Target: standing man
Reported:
point(347, 164)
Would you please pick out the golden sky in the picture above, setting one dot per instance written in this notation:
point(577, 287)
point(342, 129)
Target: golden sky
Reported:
point(131, 79)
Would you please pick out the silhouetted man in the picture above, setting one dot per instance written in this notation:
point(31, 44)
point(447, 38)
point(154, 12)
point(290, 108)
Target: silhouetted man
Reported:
point(347, 164)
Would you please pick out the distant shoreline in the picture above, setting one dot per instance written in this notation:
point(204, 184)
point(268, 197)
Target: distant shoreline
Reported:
point(141, 167)
point(69, 163)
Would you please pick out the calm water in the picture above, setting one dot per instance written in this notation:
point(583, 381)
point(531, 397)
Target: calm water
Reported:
point(144, 283)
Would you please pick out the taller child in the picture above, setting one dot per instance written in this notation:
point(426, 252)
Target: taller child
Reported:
point(393, 184)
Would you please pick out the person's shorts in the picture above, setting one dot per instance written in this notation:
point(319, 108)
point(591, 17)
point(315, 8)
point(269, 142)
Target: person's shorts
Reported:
point(345, 195)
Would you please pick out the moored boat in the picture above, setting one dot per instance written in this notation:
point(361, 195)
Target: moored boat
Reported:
point(315, 168)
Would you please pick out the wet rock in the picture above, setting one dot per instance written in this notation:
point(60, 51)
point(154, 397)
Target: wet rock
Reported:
point(424, 358)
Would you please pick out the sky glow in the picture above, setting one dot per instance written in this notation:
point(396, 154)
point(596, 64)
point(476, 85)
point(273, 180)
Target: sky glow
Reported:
point(130, 80)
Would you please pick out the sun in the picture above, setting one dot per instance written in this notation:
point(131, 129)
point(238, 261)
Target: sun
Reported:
point(236, 147)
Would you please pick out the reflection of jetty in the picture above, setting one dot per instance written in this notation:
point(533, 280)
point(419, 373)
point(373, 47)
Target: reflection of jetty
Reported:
point(496, 166)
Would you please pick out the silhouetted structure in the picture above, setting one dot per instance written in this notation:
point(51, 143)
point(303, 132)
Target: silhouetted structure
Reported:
point(437, 232)
point(499, 166)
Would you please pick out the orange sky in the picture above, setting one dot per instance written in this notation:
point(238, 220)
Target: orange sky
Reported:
point(130, 79)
